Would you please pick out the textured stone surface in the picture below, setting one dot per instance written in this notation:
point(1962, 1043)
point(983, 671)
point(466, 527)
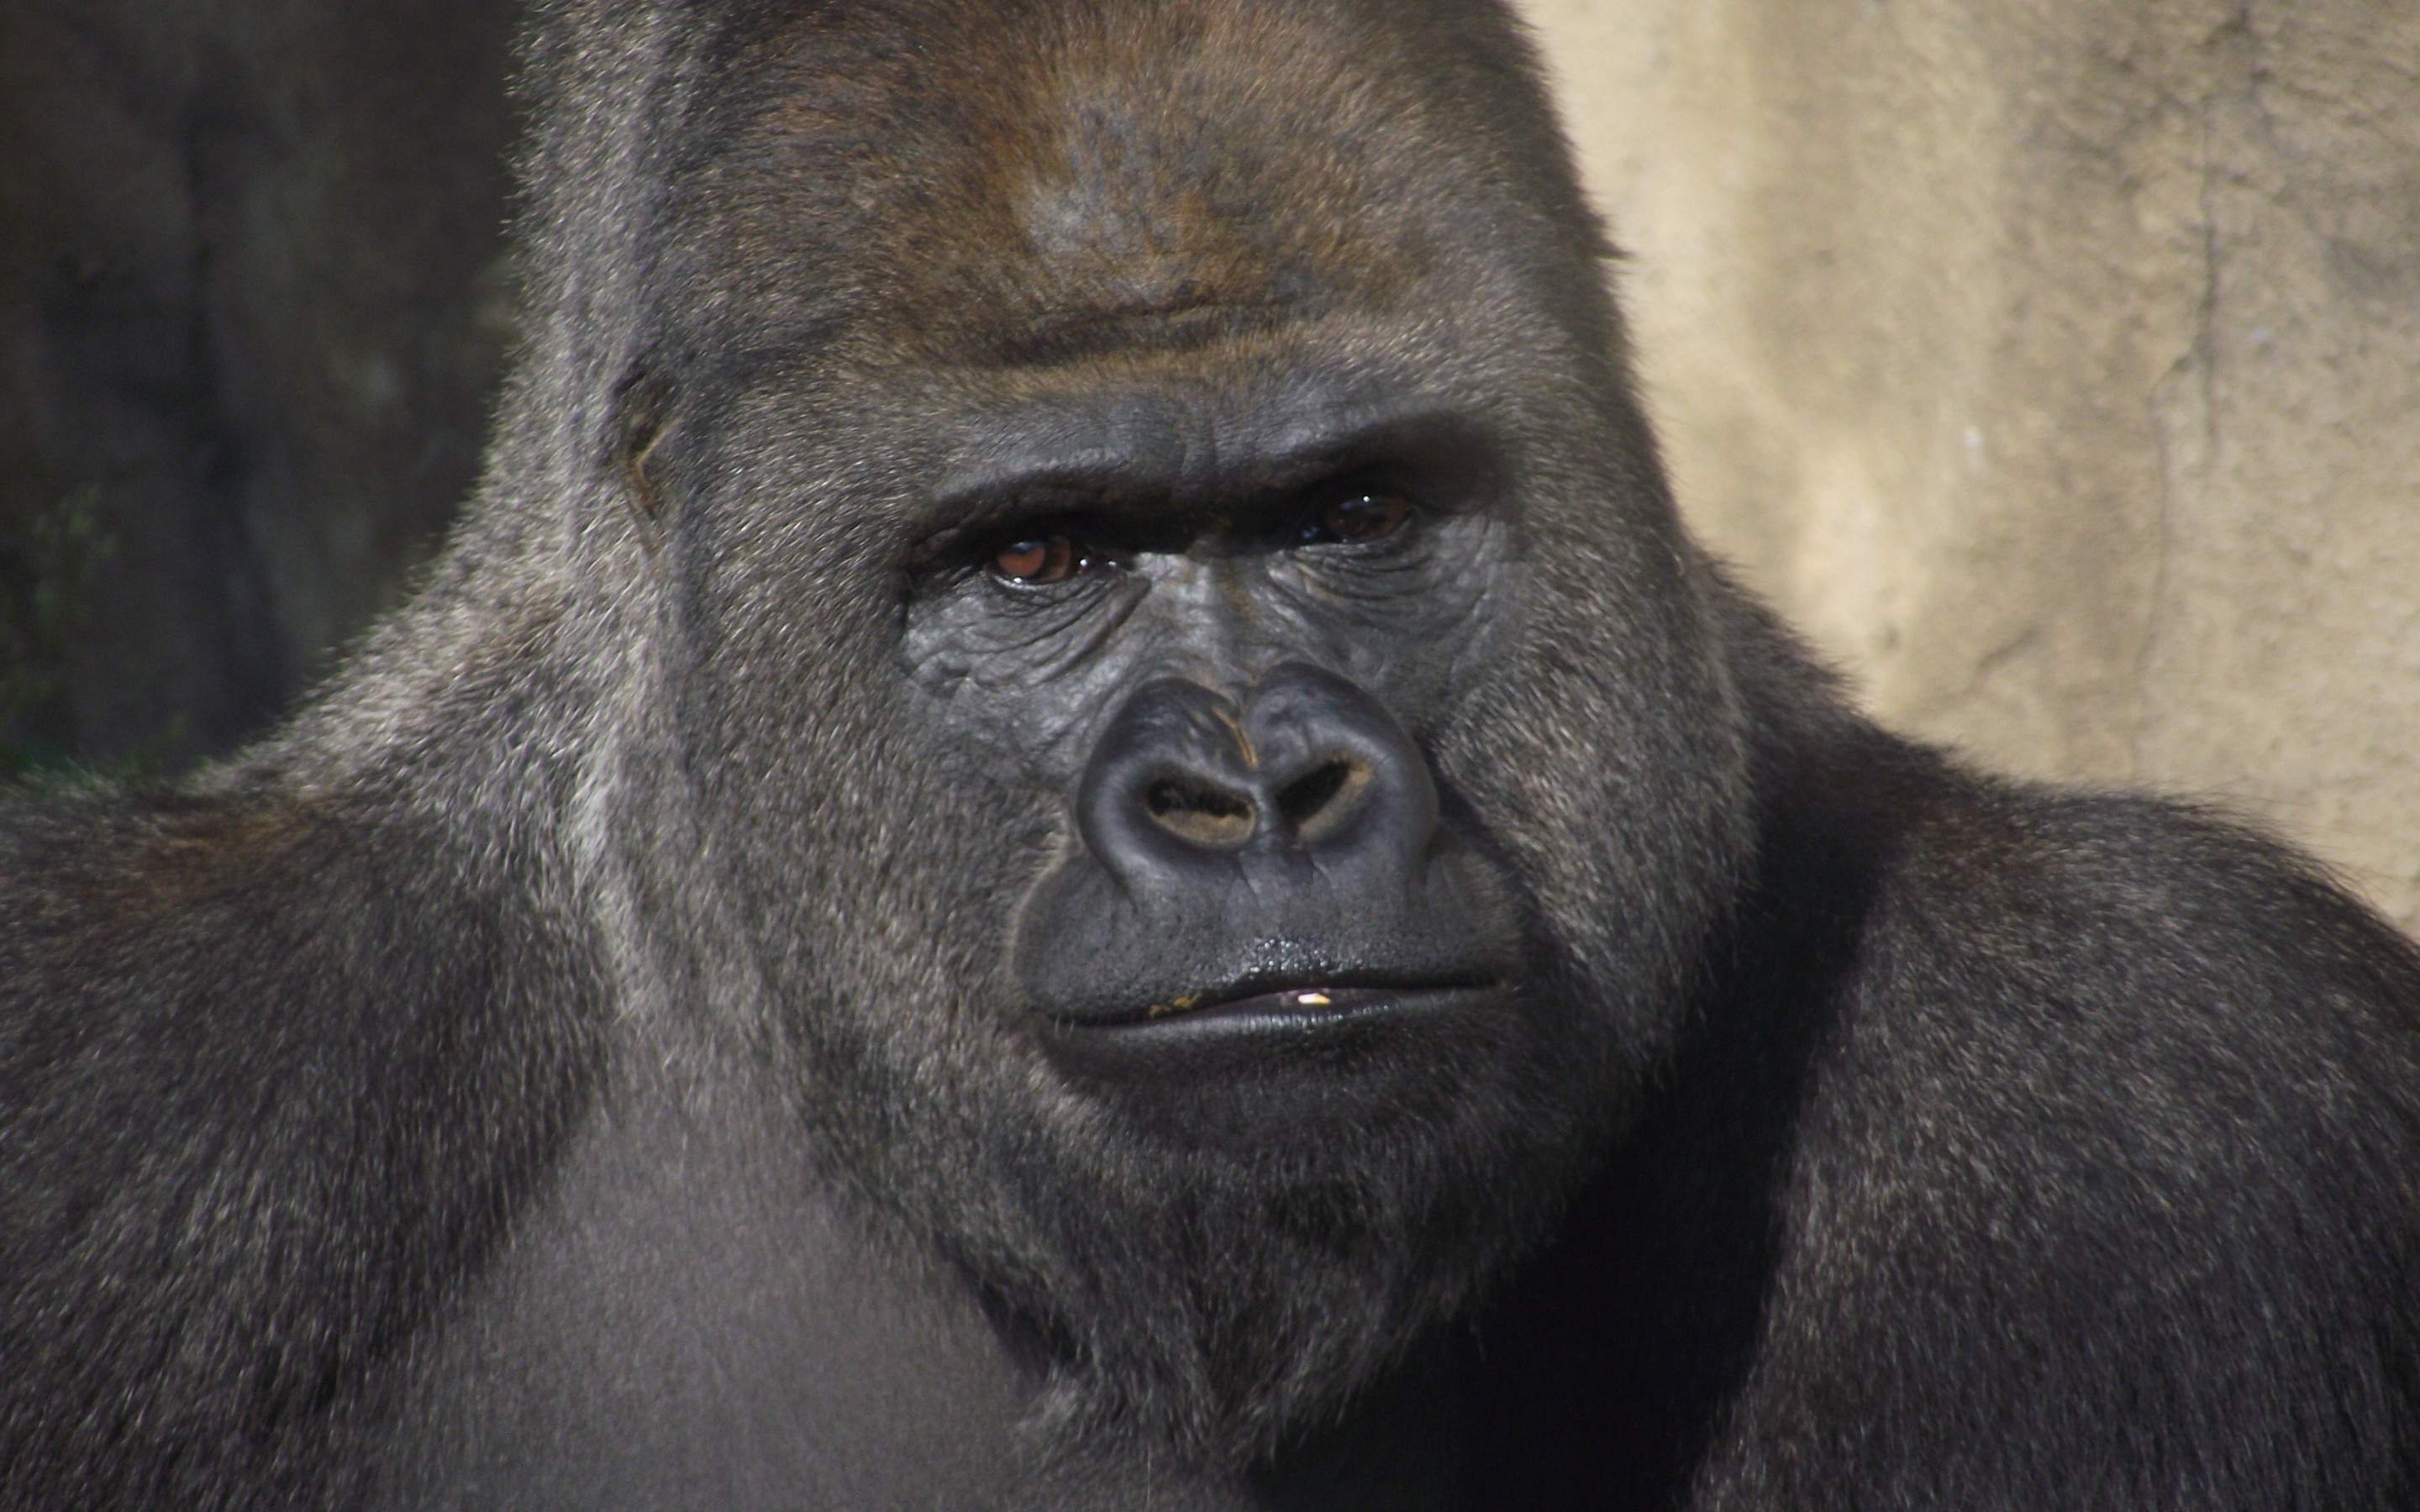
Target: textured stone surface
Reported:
point(2056, 365)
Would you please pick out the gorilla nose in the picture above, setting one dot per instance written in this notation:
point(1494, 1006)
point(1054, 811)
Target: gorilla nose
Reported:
point(1306, 762)
point(1218, 812)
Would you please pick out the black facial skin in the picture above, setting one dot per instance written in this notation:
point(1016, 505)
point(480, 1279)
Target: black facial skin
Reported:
point(1072, 830)
point(1212, 686)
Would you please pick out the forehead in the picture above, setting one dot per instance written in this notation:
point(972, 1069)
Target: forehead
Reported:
point(1009, 183)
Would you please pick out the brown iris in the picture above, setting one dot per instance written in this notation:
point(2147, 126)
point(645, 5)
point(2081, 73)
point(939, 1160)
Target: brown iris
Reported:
point(1355, 517)
point(1045, 559)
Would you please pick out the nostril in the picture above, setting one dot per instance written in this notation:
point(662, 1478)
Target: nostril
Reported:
point(1196, 812)
point(1315, 802)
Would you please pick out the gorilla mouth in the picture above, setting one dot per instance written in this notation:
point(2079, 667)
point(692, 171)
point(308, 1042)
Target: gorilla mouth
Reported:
point(1394, 1028)
point(1295, 1003)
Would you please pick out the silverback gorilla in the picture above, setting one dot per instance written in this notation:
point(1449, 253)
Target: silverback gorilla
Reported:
point(1071, 829)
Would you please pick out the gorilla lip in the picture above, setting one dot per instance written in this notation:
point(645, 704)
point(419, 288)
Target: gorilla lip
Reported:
point(1307, 1002)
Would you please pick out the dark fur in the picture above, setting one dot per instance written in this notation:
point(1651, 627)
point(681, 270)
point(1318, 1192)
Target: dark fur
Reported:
point(568, 1065)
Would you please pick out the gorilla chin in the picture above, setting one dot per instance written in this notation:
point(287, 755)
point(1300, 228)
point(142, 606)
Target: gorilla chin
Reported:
point(1301, 996)
point(1302, 1194)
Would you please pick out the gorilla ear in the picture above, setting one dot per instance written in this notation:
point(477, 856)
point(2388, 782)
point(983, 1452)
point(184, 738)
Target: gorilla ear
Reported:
point(643, 405)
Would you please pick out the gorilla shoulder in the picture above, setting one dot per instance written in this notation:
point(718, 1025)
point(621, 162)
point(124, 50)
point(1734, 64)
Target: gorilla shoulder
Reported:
point(237, 1037)
point(2099, 1126)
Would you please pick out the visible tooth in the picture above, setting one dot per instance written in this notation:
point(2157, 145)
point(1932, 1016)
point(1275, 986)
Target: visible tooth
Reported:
point(1311, 999)
point(1188, 1000)
point(1155, 1010)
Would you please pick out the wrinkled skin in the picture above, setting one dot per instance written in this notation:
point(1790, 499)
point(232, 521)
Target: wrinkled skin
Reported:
point(1073, 829)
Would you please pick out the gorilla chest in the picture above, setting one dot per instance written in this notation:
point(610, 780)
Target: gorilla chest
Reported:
point(681, 1327)
point(689, 1324)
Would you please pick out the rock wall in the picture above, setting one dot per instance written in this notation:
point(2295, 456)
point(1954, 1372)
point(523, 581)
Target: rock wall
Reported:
point(2054, 364)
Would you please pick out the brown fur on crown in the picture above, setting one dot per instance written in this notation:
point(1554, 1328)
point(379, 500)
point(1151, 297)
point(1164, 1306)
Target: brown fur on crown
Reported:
point(1093, 175)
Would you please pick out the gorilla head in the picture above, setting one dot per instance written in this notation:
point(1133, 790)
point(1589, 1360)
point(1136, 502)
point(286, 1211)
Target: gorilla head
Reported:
point(1180, 651)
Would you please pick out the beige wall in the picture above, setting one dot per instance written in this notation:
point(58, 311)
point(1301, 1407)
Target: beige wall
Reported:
point(2054, 364)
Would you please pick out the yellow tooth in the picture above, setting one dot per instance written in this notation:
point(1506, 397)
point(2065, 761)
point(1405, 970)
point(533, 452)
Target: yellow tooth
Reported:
point(1311, 999)
point(1188, 1000)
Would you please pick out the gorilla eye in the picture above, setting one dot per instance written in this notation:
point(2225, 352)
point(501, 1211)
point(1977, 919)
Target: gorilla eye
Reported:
point(1047, 559)
point(1352, 518)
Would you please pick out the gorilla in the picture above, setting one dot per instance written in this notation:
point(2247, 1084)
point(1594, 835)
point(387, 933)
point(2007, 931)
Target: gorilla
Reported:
point(1071, 828)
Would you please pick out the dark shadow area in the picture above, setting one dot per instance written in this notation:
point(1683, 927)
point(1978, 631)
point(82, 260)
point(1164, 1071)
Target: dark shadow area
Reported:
point(1663, 1268)
point(254, 306)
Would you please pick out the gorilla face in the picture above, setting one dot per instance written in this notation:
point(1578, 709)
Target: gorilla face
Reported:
point(1187, 660)
point(1259, 924)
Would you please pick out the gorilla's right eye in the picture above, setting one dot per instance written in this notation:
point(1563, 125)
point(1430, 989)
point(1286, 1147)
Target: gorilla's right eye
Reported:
point(1043, 559)
point(1356, 516)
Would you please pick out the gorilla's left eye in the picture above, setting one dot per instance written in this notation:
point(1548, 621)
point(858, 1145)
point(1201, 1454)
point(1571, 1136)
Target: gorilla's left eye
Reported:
point(1043, 559)
point(1354, 517)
